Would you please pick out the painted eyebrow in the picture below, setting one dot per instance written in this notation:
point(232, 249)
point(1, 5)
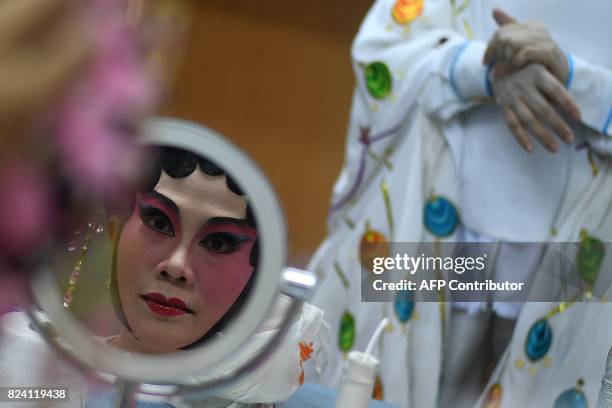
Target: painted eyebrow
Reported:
point(227, 220)
point(165, 200)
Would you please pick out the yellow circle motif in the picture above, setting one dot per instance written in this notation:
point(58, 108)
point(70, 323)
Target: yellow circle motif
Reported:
point(519, 363)
point(406, 11)
point(494, 397)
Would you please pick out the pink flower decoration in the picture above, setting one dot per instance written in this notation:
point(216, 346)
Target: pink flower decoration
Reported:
point(26, 209)
point(110, 100)
point(93, 131)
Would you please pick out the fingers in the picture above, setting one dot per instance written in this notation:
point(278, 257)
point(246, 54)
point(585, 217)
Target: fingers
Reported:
point(546, 113)
point(533, 125)
point(501, 18)
point(518, 130)
point(497, 46)
point(490, 51)
point(545, 55)
point(531, 54)
point(501, 70)
point(498, 50)
point(558, 94)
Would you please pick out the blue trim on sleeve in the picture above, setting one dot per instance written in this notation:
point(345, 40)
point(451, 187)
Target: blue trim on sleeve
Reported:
point(608, 122)
point(454, 86)
point(570, 74)
point(488, 85)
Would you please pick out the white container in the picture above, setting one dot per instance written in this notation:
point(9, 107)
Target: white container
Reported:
point(357, 380)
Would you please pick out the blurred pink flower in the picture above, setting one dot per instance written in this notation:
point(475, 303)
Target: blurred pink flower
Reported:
point(108, 103)
point(27, 207)
point(93, 137)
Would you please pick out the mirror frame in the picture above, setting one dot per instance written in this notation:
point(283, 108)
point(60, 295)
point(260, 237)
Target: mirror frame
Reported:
point(161, 374)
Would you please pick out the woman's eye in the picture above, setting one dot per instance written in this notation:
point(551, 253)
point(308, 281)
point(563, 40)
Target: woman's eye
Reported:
point(156, 220)
point(222, 242)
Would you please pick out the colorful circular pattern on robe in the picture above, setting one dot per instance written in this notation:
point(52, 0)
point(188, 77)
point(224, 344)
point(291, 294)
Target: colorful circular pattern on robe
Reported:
point(572, 398)
point(404, 305)
point(378, 80)
point(440, 216)
point(589, 259)
point(405, 11)
point(373, 244)
point(538, 341)
point(346, 337)
point(377, 392)
point(494, 397)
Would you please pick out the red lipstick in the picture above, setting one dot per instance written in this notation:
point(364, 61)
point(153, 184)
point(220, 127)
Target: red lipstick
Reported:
point(172, 307)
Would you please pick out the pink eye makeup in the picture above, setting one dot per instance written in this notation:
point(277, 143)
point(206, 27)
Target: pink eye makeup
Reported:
point(155, 219)
point(224, 235)
point(158, 212)
point(223, 242)
point(218, 235)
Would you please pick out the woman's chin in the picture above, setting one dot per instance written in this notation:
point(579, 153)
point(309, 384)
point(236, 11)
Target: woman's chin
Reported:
point(157, 344)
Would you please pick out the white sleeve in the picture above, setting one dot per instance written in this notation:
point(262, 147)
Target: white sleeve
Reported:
point(591, 87)
point(600, 143)
point(427, 60)
point(406, 53)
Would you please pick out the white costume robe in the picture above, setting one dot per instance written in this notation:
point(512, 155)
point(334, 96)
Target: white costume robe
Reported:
point(432, 132)
point(26, 360)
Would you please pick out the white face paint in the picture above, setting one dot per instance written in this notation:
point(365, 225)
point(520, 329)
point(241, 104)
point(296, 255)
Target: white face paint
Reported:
point(183, 260)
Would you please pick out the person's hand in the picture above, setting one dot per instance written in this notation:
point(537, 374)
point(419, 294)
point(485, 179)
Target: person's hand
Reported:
point(528, 98)
point(518, 44)
point(42, 46)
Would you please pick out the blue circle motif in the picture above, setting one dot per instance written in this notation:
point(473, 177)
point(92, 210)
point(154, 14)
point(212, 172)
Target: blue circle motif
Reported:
point(539, 339)
point(404, 305)
point(440, 216)
point(572, 398)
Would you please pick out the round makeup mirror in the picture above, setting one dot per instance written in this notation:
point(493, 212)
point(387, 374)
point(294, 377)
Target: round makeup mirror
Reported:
point(166, 299)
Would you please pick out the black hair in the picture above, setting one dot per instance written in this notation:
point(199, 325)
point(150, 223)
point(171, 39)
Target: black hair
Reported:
point(179, 163)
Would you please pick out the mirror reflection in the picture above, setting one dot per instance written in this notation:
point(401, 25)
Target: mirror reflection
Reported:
point(168, 271)
point(178, 267)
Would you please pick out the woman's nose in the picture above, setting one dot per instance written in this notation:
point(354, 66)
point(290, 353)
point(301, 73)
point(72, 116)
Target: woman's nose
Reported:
point(177, 269)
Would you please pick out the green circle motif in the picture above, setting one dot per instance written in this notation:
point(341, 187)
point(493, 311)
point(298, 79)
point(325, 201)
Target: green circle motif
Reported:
point(378, 80)
point(589, 259)
point(346, 337)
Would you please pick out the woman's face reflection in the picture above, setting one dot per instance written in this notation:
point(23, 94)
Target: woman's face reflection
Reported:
point(182, 261)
